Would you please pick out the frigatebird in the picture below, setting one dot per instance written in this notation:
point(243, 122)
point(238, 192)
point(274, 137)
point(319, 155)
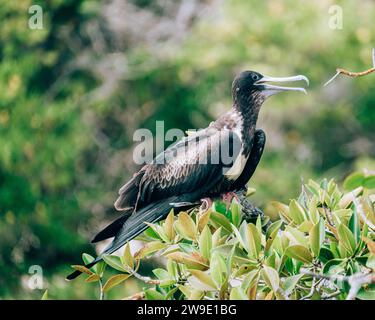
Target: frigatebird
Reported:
point(193, 168)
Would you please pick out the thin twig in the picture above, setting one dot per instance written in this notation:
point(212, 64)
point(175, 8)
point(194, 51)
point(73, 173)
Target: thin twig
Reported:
point(101, 295)
point(147, 280)
point(353, 74)
point(331, 295)
point(356, 281)
point(136, 296)
point(312, 290)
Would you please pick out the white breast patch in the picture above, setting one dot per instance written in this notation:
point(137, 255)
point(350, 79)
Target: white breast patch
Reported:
point(235, 171)
point(239, 164)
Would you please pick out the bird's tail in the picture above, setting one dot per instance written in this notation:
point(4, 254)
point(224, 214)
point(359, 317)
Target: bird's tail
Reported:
point(135, 225)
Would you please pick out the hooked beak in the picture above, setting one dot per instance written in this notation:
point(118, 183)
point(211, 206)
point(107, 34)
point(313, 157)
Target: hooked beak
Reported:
point(269, 89)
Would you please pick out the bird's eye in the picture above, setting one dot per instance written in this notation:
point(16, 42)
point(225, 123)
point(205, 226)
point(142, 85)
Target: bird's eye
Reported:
point(255, 77)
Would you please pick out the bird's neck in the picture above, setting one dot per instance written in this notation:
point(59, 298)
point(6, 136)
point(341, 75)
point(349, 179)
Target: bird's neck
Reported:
point(248, 107)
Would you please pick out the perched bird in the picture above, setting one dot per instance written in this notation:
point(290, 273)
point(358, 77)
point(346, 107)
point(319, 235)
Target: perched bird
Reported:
point(194, 168)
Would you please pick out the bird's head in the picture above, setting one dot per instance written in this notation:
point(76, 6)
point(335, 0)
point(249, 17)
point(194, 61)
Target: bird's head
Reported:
point(252, 88)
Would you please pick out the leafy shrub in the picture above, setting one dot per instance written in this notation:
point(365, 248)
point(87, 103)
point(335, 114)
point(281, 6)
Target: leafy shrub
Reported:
point(321, 247)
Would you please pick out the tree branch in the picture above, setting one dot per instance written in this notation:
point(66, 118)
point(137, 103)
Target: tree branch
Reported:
point(356, 281)
point(353, 74)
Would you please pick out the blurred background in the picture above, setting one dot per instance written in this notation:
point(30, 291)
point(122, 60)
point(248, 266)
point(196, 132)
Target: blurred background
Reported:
point(73, 93)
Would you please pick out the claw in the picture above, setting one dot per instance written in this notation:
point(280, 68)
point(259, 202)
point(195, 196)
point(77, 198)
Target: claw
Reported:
point(228, 198)
point(206, 204)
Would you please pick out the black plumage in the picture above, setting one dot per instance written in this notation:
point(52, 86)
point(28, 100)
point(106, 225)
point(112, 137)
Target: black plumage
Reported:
point(194, 168)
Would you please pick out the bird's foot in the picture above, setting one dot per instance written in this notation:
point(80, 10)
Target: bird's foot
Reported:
point(206, 204)
point(228, 198)
point(250, 212)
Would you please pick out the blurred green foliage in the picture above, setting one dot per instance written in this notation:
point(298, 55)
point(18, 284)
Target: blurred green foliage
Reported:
point(72, 94)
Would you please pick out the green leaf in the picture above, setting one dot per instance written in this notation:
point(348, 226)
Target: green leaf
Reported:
point(316, 238)
point(149, 249)
point(45, 295)
point(313, 210)
point(290, 283)
point(114, 262)
point(93, 278)
point(127, 257)
point(346, 238)
point(152, 294)
point(273, 229)
point(187, 247)
point(203, 219)
point(205, 242)
point(82, 269)
point(236, 213)
point(192, 261)
point(150, 233)
point(168, 226)
point(161, 273)
point(218, 269)
point(100, 267)
point(250, 192)
point(253, 241)
point(354, 227)
point(196, 295)
point(272, 232)
point(88, 259)
point(271, 278)
point(238, 293)
point(230, 259)
point(347, 199)
point(369, 182)
point(296, 236)
point(250, 279)
point(221, 220)
point(238, 234)
point(186, 227)
point(271, 260)
point(299, 252)
point(334, 266)
point(367, 293)
point(282, 209)
point(114, 281)
point(370, 263)
point(313, 187)
point(172, 268)
point(159, 231)
point(325, 255)
point(354, 180)
point(186, 290)
point(201, 280)
point(296, 212)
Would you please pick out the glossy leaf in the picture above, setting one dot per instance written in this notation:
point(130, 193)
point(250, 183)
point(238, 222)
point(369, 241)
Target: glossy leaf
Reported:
point(114, 281)
point(271, 277)
point(299, 252)
point(149, 249)
point(205, 243)
point(127, 257)
point(316, 238)
point(238, 293)
point(346, 238)
point(186, 227)
point(114, 262)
